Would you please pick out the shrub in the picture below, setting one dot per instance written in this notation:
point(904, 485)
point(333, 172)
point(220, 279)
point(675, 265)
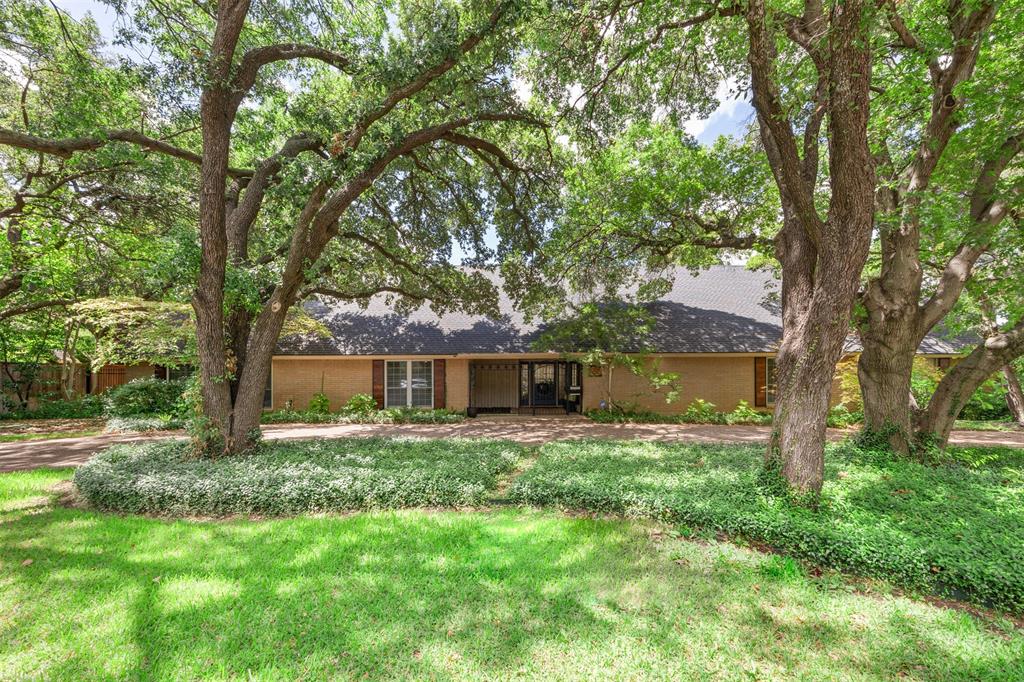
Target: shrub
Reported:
point(701, 412)
point(80, 408)
point(156, 422)
point(148, 395)
point(361, 403)
point(290, 477)
point(951, 529)
point(630, 417)
point(745, 414)
point(319, 404)
point(391, 415)
point(297, 417)
point(840, 417)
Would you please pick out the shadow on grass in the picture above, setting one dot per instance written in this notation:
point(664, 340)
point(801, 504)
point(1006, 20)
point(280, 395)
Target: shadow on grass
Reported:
point(442, 595)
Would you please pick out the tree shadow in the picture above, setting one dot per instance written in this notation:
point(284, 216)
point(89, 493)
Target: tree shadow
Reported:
point(425, 595)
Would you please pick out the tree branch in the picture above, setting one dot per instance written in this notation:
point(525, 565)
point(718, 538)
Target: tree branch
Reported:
point(67, 147)
point(255, 59)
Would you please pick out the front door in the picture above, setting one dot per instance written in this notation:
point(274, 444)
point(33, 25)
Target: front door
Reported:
point(544, 384)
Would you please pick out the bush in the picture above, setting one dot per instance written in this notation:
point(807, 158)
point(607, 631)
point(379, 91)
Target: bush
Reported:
point(840, 417)
point(148, 395)
point(290, 477)
point(156, 422)
point(745, 414)
point(361, 403)
point(391, 415)
point(701, 412)
point(319, 404)
point(951, 529)
point(296, 417)
point(85, 407)
point(630, 417)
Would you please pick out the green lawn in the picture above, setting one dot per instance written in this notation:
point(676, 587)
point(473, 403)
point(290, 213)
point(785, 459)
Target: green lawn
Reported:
point(497, 595)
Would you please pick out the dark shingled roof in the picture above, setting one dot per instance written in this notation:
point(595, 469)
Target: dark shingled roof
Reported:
point(724, 309)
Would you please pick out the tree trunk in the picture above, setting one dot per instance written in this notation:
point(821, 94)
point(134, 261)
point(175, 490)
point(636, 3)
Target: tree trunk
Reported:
point(963, 379)
point(1014, 394)
point(884, 371)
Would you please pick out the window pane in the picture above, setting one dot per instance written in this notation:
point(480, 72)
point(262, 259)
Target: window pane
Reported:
point(423, 384)
point(395, 383)
point(770, 384)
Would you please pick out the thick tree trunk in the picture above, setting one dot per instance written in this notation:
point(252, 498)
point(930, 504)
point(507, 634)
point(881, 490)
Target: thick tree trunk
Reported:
point(1014, 394)
point(884, 370)
point(963, 379)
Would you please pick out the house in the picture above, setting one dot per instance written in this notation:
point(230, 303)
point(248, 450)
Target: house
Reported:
point(718, 330)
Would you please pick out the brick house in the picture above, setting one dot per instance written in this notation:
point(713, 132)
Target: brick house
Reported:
point(718, 330)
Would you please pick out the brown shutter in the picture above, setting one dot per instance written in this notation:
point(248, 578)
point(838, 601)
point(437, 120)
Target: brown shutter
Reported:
point(760, 375)
point(378, 383)
point(438, 384)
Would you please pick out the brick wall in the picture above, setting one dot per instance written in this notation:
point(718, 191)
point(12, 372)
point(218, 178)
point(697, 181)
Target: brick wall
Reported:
point(457, 383)
point(723, 381)
point(298, 379)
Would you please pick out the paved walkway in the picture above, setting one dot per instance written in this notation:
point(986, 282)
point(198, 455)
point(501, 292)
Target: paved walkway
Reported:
point(66, 452)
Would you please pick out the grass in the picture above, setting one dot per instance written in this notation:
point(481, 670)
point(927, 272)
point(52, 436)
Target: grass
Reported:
point(19, 437)
point(951, 529)
point(295, 476)
point(982, 425)
point(510, 594)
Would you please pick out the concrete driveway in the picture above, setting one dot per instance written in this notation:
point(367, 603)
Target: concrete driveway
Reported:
point(67, 452)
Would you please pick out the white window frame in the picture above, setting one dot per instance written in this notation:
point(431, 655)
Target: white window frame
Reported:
point(408, 384)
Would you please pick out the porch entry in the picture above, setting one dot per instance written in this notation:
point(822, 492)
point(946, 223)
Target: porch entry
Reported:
point(525, 387)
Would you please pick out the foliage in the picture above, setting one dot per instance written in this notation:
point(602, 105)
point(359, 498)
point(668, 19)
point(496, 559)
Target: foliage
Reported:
point(319, 404)
point(701, 411)
point(745, 414)
point(923, 380)
point(291, 477)
point(609, 333)
point(79, 408)
point(442, 581)
point(988, 403)
point(144, 396)
point(391, 415)
point(144, 422)
point(950, 529)
point(361, 403)
point(698, 412)
point(840, 416)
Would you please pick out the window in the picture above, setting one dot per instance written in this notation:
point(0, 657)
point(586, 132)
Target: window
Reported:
point(769, 388)
point(268, 392)
point(409, 383)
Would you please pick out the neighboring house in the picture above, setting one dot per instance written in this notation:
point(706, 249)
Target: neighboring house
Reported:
point(718, 331)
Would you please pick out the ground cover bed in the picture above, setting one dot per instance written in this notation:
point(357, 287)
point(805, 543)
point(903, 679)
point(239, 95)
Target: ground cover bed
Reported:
point(952, 529)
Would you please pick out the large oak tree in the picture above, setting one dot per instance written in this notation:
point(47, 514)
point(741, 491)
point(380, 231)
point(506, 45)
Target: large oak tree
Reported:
point(342, 149)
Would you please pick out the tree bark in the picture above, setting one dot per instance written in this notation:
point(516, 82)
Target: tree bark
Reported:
point(821, 259)
point(1014, 394)
point(963, 379)
point(884, 371)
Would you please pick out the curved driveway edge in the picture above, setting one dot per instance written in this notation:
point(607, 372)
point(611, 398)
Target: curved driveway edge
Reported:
point(69, 452)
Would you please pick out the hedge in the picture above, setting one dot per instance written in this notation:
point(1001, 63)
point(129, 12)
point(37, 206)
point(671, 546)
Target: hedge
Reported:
point(290, 477)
